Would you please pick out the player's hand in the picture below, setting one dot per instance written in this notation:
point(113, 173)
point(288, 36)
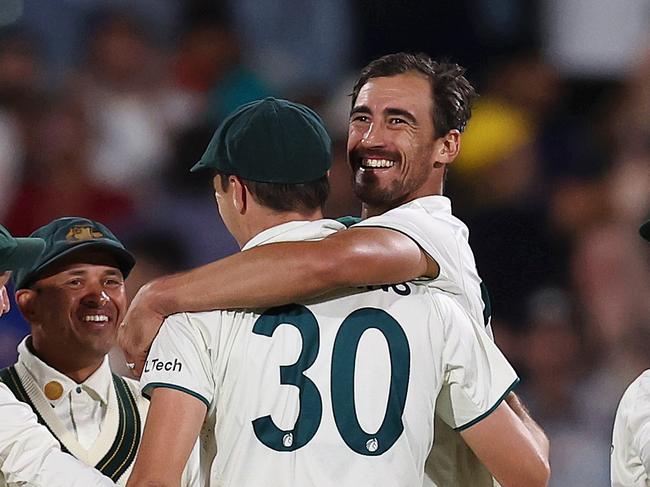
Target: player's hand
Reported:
point(139, 329)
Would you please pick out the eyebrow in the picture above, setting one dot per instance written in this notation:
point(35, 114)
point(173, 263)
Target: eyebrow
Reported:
point(402, 113)
point(360, 109)
point(387, 111)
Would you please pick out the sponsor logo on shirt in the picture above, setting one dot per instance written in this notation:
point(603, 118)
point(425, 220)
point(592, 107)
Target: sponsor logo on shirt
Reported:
point(157, 364)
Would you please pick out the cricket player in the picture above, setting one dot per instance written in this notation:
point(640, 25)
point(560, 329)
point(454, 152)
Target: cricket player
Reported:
point(339, 391)
point(73, 297)
point(405, 127)
point(29, 454)
point(630, 458)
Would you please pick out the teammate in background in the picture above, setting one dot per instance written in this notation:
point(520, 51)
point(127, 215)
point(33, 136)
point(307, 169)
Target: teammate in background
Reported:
point(73, 297)
point(29, 454)
point(407, 116)
point(630, 459)
point(368, 365)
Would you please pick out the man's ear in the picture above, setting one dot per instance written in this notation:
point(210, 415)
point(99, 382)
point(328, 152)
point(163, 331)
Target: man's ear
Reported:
point(446, 148)
point(239, 194)
point(25, 298)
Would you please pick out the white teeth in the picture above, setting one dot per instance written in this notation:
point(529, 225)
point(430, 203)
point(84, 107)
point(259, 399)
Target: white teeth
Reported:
point(377, 163)
point(96, 318)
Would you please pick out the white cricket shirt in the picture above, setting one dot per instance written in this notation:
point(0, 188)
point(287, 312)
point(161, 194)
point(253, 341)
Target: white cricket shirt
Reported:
point(31, 457)
point(85, 417)
point(339, 392)
point(429, 222)
point(630, 459)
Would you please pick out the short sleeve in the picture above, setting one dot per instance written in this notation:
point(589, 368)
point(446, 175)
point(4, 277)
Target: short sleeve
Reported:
point(180, 359)
point(477, 376)
point(435, 236)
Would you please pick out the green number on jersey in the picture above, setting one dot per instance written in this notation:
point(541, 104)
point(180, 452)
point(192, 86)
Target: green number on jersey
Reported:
point(343, 365)
point(343, 361)
point(311, 405)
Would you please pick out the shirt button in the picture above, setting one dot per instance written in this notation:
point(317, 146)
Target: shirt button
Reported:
point(78, 389)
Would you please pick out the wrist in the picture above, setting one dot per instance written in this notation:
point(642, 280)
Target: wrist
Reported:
point(153, 296)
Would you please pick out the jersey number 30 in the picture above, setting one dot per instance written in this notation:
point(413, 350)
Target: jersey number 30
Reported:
point(342, 380)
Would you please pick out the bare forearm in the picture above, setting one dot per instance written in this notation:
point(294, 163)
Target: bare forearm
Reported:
point(535, 429)
point(266, 276)
point(278, 274)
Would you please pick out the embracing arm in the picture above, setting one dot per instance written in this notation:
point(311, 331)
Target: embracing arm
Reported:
point(273, 275)
point(173, 424)
point(508, 450)
point(289, 271)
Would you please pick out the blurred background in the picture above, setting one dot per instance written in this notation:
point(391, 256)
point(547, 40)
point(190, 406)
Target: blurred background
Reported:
point(106, 104)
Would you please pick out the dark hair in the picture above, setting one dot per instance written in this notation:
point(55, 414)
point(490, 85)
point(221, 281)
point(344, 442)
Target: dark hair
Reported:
point(451, 93)
point(285, 197)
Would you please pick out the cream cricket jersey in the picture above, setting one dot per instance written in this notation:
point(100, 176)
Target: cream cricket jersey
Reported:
point(339, 392)
point(429, 222)
point(630, 459)
point(99, 421)
point(31, 457)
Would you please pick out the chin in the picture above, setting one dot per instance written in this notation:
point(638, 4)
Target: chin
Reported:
point(374, 196)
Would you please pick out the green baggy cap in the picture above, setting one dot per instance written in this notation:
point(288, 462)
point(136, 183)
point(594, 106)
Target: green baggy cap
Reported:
point(70, 234)
point(270, 141)
point(18, 252)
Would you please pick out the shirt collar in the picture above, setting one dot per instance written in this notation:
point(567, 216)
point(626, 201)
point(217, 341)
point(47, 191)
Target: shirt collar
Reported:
point(97, 385)
point(295, 230)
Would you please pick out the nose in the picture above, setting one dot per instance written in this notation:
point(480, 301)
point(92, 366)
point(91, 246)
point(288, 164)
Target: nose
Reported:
point(96, 297)
point(374, 135)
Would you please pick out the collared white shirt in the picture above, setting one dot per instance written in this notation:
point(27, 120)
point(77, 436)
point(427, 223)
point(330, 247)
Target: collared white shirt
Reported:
point(31, 457)
point(88, 411)
point(81, 407)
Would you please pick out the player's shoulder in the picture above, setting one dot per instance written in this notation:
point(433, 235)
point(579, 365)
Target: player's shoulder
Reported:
point(430, 215)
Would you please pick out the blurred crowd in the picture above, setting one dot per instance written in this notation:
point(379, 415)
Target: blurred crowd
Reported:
point(105, 105)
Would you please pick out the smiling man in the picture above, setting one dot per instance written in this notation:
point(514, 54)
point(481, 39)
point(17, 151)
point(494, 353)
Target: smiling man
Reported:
point(407, 116)
point(29, 455)
point(73, 298)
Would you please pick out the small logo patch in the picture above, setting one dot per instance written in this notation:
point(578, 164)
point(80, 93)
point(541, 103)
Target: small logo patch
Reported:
point(82, 232)
point(157, 364)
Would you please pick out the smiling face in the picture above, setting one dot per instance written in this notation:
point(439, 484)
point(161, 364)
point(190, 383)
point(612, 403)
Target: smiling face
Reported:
point(391, 142)
point(74, 309)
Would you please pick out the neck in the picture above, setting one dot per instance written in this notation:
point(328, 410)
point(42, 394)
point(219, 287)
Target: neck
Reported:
point(73, 365)
point(434, 187)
